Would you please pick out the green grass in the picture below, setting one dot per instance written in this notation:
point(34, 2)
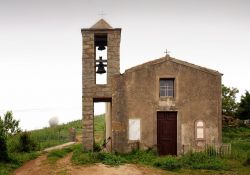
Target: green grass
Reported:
point(150, 158)
point(191, 163)
point(240, 141)
point(99, 128)
point(48, 137)
point(54, 155)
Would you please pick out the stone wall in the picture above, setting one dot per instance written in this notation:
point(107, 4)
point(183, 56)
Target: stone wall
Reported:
point(92, 91)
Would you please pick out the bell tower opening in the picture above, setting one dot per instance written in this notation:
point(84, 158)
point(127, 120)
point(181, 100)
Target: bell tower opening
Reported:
point(101, 58)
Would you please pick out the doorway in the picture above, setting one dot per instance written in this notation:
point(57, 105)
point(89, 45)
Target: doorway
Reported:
point(167, 132)
point(102, 123)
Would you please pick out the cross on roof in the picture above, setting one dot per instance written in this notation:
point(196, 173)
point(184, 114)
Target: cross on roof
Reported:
point(102, 14)
point(167, 52)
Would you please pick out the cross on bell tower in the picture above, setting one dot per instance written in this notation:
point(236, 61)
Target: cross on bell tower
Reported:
point(101, 56)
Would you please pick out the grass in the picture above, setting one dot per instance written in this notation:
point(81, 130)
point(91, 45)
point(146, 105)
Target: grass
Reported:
point(191, 163)
point(54, 155)
point(150, 158)
point(240, 141)
point(47, 137)
point(99, 128)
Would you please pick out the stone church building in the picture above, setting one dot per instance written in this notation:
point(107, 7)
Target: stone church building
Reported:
point(165, 104)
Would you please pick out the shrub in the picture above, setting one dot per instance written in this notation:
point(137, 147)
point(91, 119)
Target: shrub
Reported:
point(247, 162)
point(168, 163)
point(110, 159)
point(3, 144)
point(26, 144)
point(3, 148)
point(80, 157)
point(97, 147)
point(139, 156)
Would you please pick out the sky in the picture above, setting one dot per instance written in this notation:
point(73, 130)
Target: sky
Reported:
point(41, 47)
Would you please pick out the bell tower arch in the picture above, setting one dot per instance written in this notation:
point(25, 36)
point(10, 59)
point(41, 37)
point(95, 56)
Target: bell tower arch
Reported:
point(100, 55)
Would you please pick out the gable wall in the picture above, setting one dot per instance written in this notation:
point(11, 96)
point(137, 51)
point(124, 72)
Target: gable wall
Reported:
point(198, 96)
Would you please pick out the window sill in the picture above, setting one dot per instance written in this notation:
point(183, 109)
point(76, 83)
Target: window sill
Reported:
point(167, 98)
point(133, 141)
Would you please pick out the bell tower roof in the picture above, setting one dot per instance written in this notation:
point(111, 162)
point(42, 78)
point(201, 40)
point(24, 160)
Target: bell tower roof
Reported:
point(101, 24)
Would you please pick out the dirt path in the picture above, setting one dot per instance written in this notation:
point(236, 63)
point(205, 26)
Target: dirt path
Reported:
point(41, 166)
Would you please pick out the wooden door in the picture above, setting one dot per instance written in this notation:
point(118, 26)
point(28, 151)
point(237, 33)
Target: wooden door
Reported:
point(167, 133)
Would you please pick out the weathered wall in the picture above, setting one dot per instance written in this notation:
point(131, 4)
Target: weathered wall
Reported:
point(91, 91)
point(197, 97)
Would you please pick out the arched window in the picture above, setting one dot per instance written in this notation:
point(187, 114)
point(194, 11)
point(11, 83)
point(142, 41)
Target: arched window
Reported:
point(199, 130)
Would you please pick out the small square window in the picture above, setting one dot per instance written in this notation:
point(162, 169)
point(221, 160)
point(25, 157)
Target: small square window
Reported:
point(167, 87)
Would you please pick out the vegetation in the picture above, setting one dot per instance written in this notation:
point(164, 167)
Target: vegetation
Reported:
point(8, 126)
point(16, 160)
point(150, 158)
point(54, 155)
point(52, 136)
point(3, 145)
point(244, 107)
point(190, 163)
point(99, 129)
point(240, 141)
point(229, 104)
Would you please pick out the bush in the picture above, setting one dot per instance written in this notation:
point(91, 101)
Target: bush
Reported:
point(3, 148)
point(139, 156)
point(26, 144)
point(168, 163)
point(97, 147)
point(247, 162)
point(110, 159)
point(3, 144)
point(80, 157)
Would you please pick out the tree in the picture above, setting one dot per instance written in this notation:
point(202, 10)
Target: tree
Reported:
point(244, 107)
point(229, 104)
point(3, 146)
point(10, 125)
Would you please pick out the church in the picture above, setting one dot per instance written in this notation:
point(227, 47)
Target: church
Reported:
point(167, 104)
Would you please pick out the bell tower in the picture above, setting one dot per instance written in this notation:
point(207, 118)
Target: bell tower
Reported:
point(100, 57)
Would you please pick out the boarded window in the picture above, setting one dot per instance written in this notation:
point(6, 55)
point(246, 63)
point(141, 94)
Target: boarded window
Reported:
point(166, 87)
point(134, 129)
point(199, 125)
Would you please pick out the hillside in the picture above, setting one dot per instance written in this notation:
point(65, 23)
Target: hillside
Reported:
point(48, 136)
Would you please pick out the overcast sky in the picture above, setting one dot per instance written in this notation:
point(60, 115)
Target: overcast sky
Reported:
point(40, 46)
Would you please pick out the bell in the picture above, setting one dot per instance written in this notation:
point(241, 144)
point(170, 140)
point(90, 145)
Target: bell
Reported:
point(101, 47)
point(100, 68)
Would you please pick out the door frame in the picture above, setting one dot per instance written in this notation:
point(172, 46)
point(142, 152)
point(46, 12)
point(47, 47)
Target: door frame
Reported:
point(178, 130)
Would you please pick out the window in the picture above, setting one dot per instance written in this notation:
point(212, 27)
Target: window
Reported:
point(166, 87)
point(134, 129)
point(199, 125)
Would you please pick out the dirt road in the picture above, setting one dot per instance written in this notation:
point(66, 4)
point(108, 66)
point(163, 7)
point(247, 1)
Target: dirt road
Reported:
point(41, 166)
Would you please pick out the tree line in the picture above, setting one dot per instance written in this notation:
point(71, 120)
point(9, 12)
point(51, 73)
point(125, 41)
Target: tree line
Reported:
point(231, 107)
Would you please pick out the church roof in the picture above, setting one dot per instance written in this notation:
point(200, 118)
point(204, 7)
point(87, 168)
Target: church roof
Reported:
point(101, 24)
point(168, 58)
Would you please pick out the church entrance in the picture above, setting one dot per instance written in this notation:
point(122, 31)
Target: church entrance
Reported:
point(167, 133)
